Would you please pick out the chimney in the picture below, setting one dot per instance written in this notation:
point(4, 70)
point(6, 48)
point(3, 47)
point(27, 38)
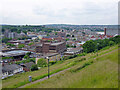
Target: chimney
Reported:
point(104, 31)
point(2, 64)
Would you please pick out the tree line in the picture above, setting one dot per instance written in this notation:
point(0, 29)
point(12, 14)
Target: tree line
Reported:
point(94, 45)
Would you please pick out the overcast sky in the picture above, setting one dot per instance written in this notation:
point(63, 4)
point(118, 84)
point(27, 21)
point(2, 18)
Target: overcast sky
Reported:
point(37, 12)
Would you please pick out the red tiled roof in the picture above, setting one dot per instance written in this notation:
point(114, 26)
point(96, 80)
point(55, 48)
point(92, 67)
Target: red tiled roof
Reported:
point(93, 37)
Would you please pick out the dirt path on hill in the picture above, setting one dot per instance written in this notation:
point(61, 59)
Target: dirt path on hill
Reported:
point(61, 71)
point(106, 53)
point(43, 78)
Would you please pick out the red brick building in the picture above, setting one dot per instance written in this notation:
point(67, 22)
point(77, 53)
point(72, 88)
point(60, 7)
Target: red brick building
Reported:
point(58, 47)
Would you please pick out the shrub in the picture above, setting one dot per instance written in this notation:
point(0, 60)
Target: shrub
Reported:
point(26, 61)
point(52, 62)
point(81, 54)
point(111, 43)
point(41, 62)
point(34, 67)
point(26, 57)
point(21, 45)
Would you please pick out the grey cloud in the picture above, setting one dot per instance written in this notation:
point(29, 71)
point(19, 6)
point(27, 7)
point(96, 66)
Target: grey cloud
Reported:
point(50, 12)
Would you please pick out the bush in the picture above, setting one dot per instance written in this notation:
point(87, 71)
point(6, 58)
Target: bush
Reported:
point(41, 62)
point(52, 62)
point(111, 43)
point(34, 67)
point(7, 57)
point(26, 61)
point(26, 57)
point(9, 44)
point(81, 54)
point(21, 45)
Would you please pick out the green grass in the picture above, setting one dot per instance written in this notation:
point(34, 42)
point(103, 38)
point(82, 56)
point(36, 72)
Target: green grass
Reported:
point(101, 73)
point(77, 66)
point(22, 79)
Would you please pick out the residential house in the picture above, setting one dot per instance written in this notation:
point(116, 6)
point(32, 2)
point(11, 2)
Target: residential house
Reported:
point(9, 70)
point(27, 66)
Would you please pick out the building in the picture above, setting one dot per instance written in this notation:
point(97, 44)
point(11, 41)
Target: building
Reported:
point(111, 31)
point(73, 51)
point(12, 35)
point(16, 54)
point(51, 56)
point(9, 70)
point(31, 34)
point(58, 47)
point(27, 66)
point(16, 42)
point(41, 36)
point(6, 33)
point(52, 39)
point(61, 34)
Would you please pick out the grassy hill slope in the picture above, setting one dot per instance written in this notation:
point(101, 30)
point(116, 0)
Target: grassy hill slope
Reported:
point(95, 71)
point(101, 73)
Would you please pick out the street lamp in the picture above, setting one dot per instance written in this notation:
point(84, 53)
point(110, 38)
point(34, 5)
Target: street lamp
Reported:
point(48, 66)
point(97, 48)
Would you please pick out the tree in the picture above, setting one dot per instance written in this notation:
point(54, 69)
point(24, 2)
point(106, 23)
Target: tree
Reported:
point(25, 32)
point(26, 57)
point(67, 46)
point(73, 36)
point(67, 39)
point(34, 67)
point(3, 30)
point(89, 46)
point(94, 45)
point(9, 44)
point(5, 40)
point(68, 35)
point(56, 33)
point(74, 39)
point(74, 46)
point(21, 45)
point(41, 62)
point(14, 29)
point(48, 35)
point(83, 33)
point(49, 40)
point(30, 43)
point(111, 43)
point(28, 53)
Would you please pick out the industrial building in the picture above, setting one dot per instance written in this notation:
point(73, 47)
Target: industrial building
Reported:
point(58, 47)
point(111, 31)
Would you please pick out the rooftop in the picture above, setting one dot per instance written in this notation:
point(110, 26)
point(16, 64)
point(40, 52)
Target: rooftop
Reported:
point(11, 67)
point(72, 50)
point(14, 53)
point(57, 43)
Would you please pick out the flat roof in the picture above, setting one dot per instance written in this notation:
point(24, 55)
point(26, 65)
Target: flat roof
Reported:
point(72, 50)
point(18, 40)
point(48, 55)
point(57, 43)
point(14, 53)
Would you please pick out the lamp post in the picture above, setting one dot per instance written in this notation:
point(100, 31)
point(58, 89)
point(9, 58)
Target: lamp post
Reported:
point(48, 66)
point(97, 48)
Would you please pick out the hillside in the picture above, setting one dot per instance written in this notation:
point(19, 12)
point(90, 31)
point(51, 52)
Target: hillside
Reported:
point(102, 73)
point(94, 72)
